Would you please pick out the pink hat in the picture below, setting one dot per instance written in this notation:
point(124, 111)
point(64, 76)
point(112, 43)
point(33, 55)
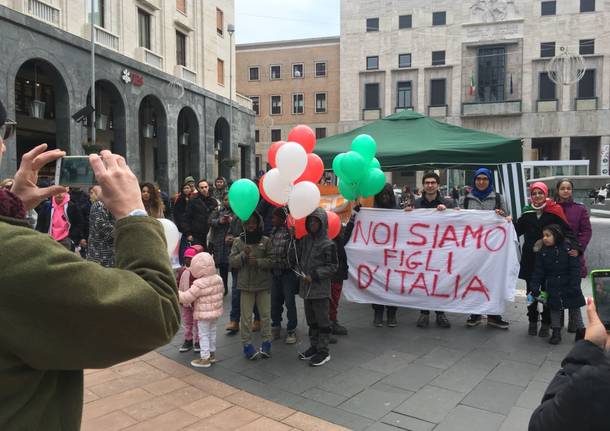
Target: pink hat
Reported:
point(190, 252)
point(541, 186)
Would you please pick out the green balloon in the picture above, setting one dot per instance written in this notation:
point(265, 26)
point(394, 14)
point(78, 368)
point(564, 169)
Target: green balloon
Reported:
point(353, 167)
point(347, 190)
point(366, 146)
point(243, 198)
point(373, 183)
point(375, 163)
point(337, 164)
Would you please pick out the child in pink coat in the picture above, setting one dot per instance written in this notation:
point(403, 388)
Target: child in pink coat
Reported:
point(185, 279)
point(207, 293)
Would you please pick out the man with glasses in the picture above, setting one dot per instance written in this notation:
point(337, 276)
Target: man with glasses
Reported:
point(198, 214)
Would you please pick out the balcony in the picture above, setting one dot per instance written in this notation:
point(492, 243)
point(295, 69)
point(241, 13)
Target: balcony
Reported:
point(491, 109)
point(371, 114)
point(244, 101)
point(185, 73)
point(145, 55)
point(586, 104)
point(403, 108)
point(44, 12)
point(546, 106)
point(105, 38)
point(437, 111)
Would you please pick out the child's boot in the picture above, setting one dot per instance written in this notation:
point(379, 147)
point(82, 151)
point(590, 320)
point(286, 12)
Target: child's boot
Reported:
point(186, 346)
point(265, 351)
point(556, 337)
point(544, 330)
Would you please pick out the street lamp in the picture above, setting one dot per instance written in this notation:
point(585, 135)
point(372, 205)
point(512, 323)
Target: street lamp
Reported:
point(231, 30)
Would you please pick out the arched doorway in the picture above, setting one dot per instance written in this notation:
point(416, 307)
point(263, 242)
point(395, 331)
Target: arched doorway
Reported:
point(222, 145)
point(188, 145)
point(42, 109)
point(109, 119)
point(152, 129)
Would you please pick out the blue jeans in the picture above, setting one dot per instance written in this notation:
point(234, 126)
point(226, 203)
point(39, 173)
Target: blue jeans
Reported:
point(234, 316)
point(283, 290)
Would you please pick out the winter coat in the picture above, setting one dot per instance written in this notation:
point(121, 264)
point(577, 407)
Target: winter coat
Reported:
point(317, 257)
point(180, 207)
point(342, 267)
point(207, 291)
point(197, 220)
point(280, 243)
point(493, 201)
point(252, 277)
point(75, 219)
point(578, 218)
point(100, 245)
point(219, 232)
point(558, 274)
point(577, 398)
point(530, 226)
point(438, 200)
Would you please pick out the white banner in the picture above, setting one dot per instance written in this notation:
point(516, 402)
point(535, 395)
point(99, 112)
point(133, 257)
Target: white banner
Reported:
point(460, 261)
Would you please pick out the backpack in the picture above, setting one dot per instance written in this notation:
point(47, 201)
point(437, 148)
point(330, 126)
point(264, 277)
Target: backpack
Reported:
point(498, 202)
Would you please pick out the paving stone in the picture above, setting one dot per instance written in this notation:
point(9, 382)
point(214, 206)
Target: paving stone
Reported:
point(109, 404)
point(441, 357)
point(170, 421)
point(389, 362)
point(306, 422)
point(518, 419)
point(260, 405)
point(464, 418)
point(372, 403)
point(493, 396)
point(304, 377)
point(111, 422)
point(335, 415)
point(324, 397)
point(515, 373)
point(229, 419)
point(413, 377)
point(264, 424)
point(382, 427)
point(384, 387)
point(482, 358)
point(460, 378)
point(149, 408)
point(547, 371)
point(532, 395)
point(407, 422)
point(430, 404)
point(206, 407)
point(352, 381)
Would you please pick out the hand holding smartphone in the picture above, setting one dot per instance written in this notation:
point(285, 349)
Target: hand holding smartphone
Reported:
point(74, 171)
point(600, 283)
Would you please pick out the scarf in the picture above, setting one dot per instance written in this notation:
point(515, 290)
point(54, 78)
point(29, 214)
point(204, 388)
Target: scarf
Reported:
point(10, 205)
point(549, 206)
point(482, 194)
point(60, 226)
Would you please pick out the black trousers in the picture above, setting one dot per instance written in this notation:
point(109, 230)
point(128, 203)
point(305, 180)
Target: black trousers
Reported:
point(316, 313)
point(532, 311)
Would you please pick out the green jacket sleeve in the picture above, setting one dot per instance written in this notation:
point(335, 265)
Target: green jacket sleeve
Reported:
point(60, 312)
point(265, 262)
point(236, 258)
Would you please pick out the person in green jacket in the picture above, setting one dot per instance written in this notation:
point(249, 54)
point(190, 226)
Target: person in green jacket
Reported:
point(251, 257)
point(60, 314)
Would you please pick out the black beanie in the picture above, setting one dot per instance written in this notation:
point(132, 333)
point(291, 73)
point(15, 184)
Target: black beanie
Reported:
point(2, 114)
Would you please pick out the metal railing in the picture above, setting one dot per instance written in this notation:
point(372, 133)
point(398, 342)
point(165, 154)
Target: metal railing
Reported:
point(44, 11)
point(105, 38)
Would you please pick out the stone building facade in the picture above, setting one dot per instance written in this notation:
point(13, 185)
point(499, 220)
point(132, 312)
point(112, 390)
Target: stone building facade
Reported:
point(483, 64)
point(162, 71)
point(291, 82)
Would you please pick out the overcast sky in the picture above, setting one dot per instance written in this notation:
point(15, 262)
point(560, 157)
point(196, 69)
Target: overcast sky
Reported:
point(268, 20)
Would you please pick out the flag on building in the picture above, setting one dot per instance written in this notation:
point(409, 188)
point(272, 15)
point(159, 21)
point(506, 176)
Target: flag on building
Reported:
point(472, 87)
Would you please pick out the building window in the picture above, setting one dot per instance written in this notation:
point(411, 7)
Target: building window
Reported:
point(144, 29)
point(256, 100)
point(181, 48)
point(220, 70)
point(372, 24)
point(372, 63)
point(320, 69)
point(297, 70)
point(438, 92)
point(371, 96)
point(491, 74)
point(219, 21)
point(257, 136)
point(276, 135)
point(276, 105)
point(405, 21)
point(586, 86)
point(276, 72)
point(253, 74)
point(546, 87)
point(320, 103)
point(439, 18)
point(587, 5)
point(99, 9)
point(297, 103)
point(404, 60)
point(404, 94)
point(438, 58)
point(181, 6)
point(320, 132)
point(586, 46)
point(547, 49)
point(548, 8)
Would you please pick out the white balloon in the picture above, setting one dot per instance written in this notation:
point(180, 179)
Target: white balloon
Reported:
point(276, 187)
point(291, 161)
point(304, 198)
point(172, 236)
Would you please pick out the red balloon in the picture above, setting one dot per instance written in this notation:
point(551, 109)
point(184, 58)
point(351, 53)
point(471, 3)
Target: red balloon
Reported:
point(304, 136)
point(334, 224)
point(261, 189)
point(273, 151)
point(314, 169)
point(299, 226)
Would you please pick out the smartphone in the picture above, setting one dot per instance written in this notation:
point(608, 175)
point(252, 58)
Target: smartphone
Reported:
point(74, 171)
point(600, 282)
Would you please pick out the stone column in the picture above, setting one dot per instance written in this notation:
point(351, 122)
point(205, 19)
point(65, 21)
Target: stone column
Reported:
point(527, 149)
point(604, 163)
point(564, 151)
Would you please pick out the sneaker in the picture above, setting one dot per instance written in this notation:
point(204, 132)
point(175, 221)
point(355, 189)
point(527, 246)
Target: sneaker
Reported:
point(442, 321)
point(533, 329)
point(473, 321)
point(423, 321)
point(186, 346)
point(338, 329)
point(556, 337)
point(291, 337)
point(197, 348)
point(256, 326)
point(319, 359)
point(392, 322)
point(544, 330)
point(265, 351)
point(232, 327)
point(332, 340)
point(213, 357)
point(497, 322)
point(275, 332)
point(378, 318)
point(201, 363)
point(308, 354)
point(250, 352)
